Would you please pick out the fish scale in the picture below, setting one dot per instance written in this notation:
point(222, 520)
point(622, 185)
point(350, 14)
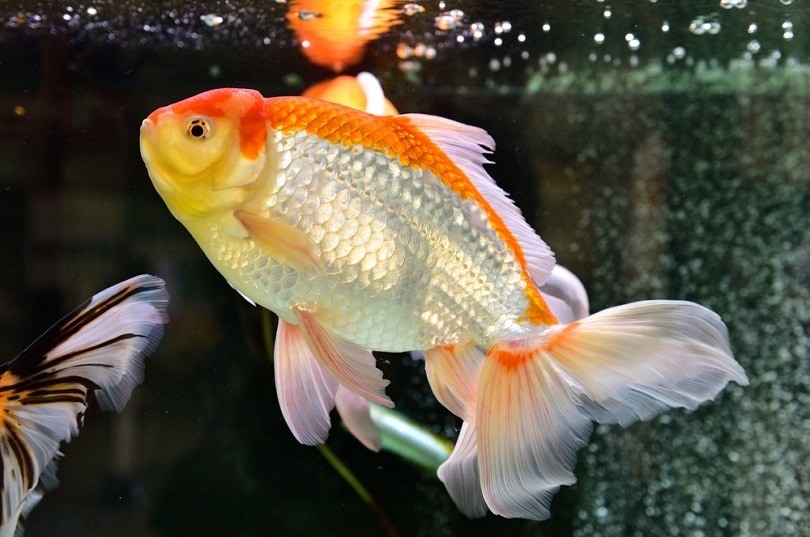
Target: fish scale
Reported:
point(400, 275)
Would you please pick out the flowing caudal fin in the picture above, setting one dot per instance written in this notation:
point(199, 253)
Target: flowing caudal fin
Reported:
point(94, 353)
point(537, 396)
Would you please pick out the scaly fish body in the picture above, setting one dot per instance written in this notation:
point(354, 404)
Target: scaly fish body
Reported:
point(364, 232)
point(401, 268)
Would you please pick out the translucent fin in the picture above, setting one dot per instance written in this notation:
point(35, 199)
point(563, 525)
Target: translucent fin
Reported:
point(634, 361)
point(459, 473)
point(537, 396)
point(375, 98)
point(529, 430)
point(562, 284)
point(287, 244)
point(452, 371)
point(356, 415)
point(354, 367)
point(306, 393)
point(466, 146)
point(95, 352)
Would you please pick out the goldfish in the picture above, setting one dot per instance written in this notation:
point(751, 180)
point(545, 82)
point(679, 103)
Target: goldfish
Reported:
point(93, 355)
point(335, 33)
point(366, 232)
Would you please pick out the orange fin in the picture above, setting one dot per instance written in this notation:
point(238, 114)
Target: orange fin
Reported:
point(452, 371)
point(289, 245)
point(306, 393)
point(353, 366)
point(537, 396)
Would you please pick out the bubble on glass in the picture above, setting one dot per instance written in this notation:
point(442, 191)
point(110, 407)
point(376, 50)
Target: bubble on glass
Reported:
point(477, 30)
point(214, 71)
point(494, 65)
point(786, 2)
point(730, 4)
point(665, 26)
point(708, 24)
point(753, 46)
point(210, 19)
point(497, 41)
point(503, 27)
point(92, 11)
point(752, 28)
point(599, 38)
point(679, 52)
point(410, 67)
point(449, 20)
point(607, 13)
point(412, 9)
point(521, 38)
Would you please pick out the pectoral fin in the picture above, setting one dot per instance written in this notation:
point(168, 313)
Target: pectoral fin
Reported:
point(287, 244)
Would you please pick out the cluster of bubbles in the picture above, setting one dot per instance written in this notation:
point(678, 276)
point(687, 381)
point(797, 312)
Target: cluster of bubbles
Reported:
point(456, 24)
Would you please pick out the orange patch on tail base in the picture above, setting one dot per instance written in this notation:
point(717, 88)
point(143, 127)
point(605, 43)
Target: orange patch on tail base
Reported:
point(511, 355)
point(397, 138)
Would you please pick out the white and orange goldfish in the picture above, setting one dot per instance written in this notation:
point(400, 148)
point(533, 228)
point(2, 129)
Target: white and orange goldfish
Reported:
point(367, 232)
point(96, 354)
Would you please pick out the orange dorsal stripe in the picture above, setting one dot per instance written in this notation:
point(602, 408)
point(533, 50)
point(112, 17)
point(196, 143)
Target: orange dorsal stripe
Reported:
point(397, 138)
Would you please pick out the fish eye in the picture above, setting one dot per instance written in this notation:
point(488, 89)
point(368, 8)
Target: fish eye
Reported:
point(198, 128)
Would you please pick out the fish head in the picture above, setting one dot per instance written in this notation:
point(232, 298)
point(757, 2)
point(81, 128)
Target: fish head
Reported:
point(204, 153)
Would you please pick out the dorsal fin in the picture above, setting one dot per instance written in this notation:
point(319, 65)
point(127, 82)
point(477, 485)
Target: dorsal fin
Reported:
point(467, 146)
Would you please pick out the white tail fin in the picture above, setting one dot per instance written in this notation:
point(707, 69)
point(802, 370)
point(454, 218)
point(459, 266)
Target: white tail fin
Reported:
point(537, 397)
point(95, 352)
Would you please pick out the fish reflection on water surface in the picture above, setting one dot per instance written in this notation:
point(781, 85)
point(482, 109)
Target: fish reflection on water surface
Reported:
point(363, 232)
point(94, 354)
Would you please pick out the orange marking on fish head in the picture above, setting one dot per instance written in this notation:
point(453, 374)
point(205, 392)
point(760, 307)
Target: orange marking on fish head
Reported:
point(198, 147)
point(245, 106)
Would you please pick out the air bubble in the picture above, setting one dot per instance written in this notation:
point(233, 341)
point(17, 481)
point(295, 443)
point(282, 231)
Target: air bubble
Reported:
point(546, 27)
point(477, 30)
point(754, 46)
point(599, 38)
point(503, 27)
point(212, 20)
point(412, 9)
